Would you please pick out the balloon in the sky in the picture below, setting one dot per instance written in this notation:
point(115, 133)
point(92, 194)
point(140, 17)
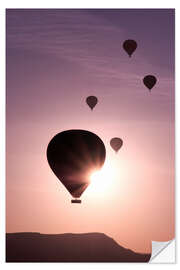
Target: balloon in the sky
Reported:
point(116, 144)
point(91, 101)
point(149, 81)
point(73, 155)
point(129, 46)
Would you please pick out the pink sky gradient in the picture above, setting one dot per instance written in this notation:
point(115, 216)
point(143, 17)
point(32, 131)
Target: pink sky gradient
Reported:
point(55, 59)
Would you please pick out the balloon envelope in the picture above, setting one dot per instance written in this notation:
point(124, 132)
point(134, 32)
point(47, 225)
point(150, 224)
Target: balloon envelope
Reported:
point(116, 143)
point(73, 155)
point(129, 46)
point(91, 101)
point(149, 81)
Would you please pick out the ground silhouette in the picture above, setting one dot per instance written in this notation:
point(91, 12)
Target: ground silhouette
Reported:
point(88, 247)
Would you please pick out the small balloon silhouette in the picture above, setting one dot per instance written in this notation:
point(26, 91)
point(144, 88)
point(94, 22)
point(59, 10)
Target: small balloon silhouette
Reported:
point(116, 144)
point(149, 81)
point(91, 101)
point(73, 155)
point(129, 46)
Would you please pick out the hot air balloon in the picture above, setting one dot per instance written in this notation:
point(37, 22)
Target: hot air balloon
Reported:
point(149, 81)
point(73, 155)
point(129, 46)
point(91, 101)
point(116, 144)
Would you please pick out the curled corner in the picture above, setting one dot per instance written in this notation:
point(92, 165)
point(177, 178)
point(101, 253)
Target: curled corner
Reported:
point(163, 252)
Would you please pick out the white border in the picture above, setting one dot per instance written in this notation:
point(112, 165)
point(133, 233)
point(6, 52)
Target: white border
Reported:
point(88, 4)
point(2, 135)
point(75, 4)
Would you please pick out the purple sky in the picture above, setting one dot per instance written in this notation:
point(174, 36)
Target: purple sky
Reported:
point(55, 59)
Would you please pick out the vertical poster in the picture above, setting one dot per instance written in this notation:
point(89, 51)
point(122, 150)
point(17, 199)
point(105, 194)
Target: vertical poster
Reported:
point(90, 134)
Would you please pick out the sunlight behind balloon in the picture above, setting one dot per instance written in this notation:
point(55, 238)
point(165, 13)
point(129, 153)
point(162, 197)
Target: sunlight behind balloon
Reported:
point(102, 181)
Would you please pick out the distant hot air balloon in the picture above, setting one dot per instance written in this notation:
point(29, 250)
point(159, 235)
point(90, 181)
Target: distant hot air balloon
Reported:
point(129, 46)
point(91, 101)
point(149, 81)
point(73, 155)
point(116, 144)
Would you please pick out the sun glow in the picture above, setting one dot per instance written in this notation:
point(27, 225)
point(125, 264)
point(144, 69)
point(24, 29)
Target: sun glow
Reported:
point(101, 181)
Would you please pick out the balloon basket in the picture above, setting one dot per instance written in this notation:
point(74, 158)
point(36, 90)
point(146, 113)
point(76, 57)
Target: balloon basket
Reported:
point(75, 201)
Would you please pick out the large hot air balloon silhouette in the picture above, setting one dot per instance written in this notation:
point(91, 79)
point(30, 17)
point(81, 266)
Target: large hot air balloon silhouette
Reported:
point(129, 46)
point(73, 155)
point(91, 101)
point(116, 143)
point(149, 81)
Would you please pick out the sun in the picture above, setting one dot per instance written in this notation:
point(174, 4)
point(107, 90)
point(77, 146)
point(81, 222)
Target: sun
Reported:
point(101, 181)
